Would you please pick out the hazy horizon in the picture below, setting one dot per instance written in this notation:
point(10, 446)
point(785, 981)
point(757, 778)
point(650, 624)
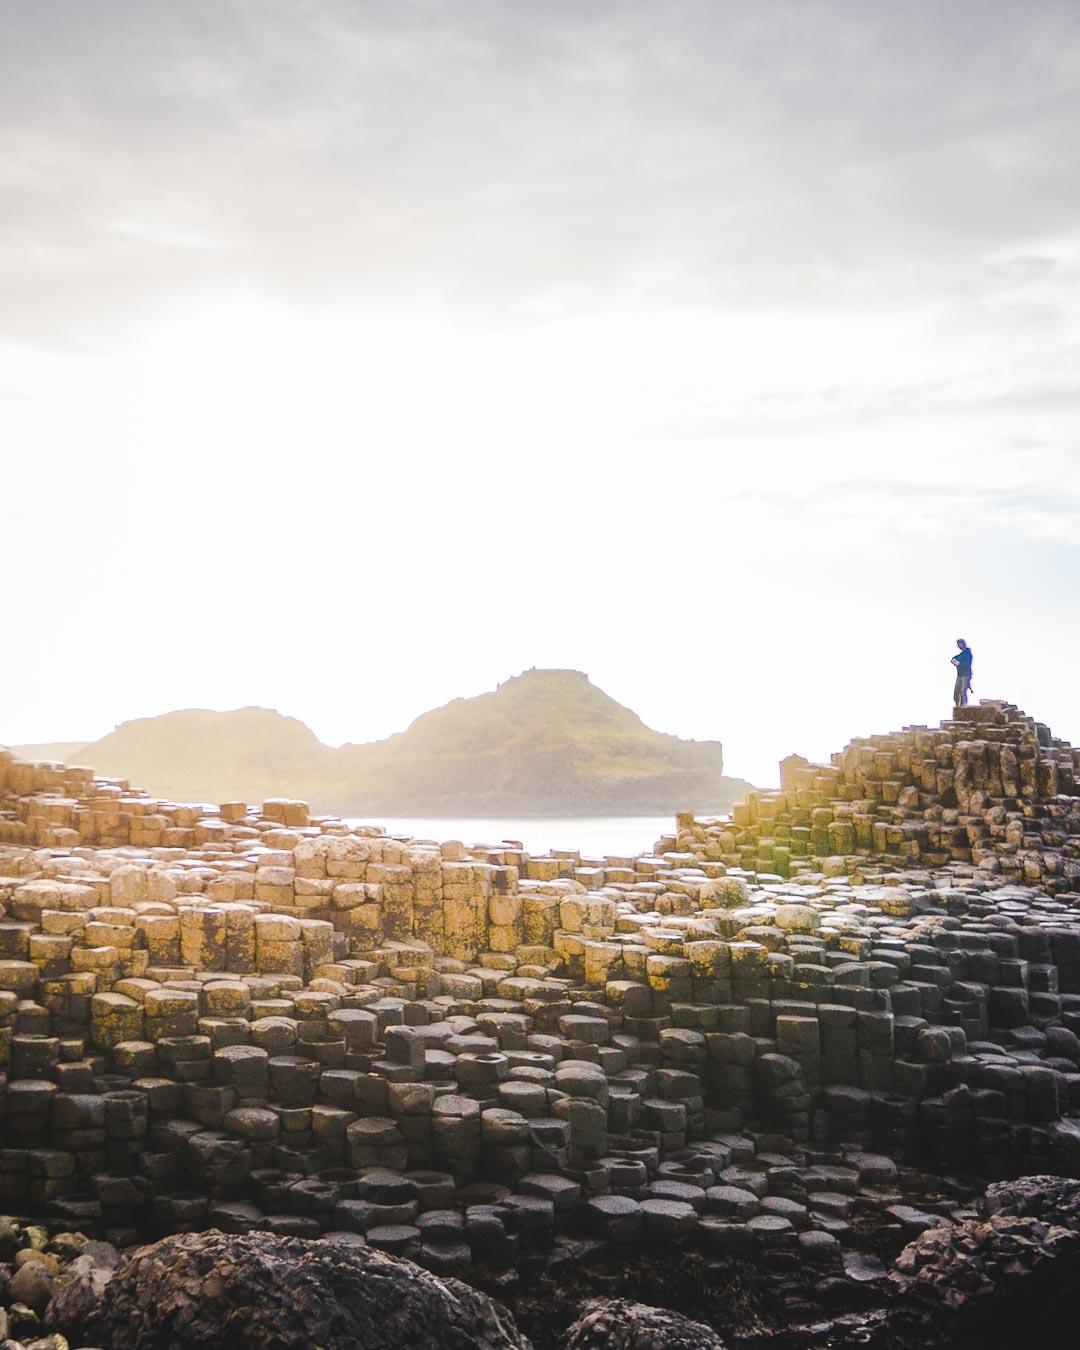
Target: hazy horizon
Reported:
point(768, 777)
point(355, 357)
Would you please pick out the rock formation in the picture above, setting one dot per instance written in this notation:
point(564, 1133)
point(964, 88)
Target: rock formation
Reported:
point(982, 1282)
point(548, 742)
point(991, 787)
point(257, 1292)
point(989, 1281)
point(621, 1324)
point(484, 1061)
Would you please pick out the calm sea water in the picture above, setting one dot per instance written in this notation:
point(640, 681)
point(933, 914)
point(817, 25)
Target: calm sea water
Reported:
point(594, 836)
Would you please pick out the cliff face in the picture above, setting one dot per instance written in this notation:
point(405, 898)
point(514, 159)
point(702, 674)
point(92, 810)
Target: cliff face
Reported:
point(546, 742)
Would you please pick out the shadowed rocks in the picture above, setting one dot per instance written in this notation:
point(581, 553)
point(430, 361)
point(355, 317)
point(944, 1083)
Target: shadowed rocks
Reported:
point(621, 1324)
point(995, 1282)
point(257, 1292)
point(500, 1065)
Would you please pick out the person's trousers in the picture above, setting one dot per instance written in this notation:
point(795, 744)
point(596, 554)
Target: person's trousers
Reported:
point(960, 690)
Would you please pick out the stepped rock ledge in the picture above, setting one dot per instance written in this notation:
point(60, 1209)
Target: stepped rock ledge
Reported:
point(747, 1089)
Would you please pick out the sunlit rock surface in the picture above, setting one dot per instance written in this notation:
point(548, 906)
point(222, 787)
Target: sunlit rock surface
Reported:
point(775, 1038)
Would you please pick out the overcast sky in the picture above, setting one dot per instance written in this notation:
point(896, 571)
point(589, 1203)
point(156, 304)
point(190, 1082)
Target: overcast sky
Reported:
point(356, 355)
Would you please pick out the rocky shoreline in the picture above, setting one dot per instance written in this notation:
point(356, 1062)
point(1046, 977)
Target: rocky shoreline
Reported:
point(987, 1279)
point(761, 1075)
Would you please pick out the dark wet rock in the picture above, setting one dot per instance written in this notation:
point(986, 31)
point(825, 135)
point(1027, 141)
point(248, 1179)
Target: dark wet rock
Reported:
point(620, 1324)
point(912, 1220)
point(863, 1267)
point(81, 1287)
point(984, 1282)
point(258, 1292)
point(9, 1237)
point(31, 1285)
point(1054, 1198)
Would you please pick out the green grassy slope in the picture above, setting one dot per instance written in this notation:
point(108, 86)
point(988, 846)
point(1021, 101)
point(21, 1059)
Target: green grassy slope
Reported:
point(546, 742)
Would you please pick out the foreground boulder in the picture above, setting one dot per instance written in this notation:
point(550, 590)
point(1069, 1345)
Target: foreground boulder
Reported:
point(620, 1324)
point(81, 1288)
point(259, 1292)
point(1007, 1278)
point(985, 1282)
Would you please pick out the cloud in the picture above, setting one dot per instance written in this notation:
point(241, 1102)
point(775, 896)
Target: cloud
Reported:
point(800, 413)
point(498, 157)
point(890, 505)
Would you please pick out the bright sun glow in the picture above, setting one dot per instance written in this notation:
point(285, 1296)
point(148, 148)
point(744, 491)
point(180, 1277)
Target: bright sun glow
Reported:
point(743, 384)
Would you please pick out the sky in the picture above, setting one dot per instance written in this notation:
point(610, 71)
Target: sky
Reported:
point(356, 355)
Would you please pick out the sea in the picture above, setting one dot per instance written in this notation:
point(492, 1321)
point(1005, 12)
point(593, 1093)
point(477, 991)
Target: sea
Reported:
point(592, 836)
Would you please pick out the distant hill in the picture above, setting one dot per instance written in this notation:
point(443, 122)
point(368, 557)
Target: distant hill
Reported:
point(56, 751)
point(247, 754)
point(547, 742)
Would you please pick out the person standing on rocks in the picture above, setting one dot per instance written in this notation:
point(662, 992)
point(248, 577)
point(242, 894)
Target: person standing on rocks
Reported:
point(962, 662)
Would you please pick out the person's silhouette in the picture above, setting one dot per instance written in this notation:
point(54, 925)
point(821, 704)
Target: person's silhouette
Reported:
point(962, 662)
